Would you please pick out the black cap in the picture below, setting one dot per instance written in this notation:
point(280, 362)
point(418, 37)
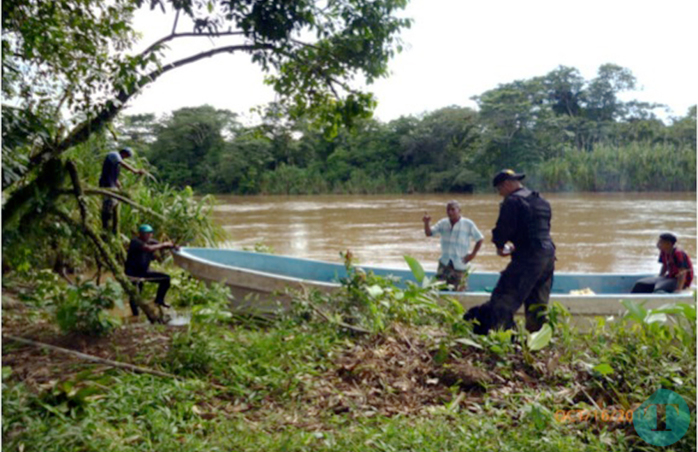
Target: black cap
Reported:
point(668, 237)
point(506, 174)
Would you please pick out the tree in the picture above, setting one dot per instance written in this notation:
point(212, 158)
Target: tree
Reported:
point(186, 140)
point(74, 55)
point(565, 90)
point(509, 114)
point(683, 130)
point(136, 130)
point(69, 69)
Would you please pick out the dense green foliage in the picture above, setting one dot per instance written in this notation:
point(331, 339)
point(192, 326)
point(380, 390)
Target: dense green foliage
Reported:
point(69, 66)
point(246, 387)
point(565, 132)
point(33, 241)
point(633, 167)
point(81, 308)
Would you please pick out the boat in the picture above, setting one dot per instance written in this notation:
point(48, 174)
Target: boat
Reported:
point(262, 281)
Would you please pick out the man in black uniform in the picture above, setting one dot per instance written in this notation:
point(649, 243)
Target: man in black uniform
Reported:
point(524, 221)
point(140, 253)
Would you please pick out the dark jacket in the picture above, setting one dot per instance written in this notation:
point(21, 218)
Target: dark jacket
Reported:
point(524, 220)
point(138, 259)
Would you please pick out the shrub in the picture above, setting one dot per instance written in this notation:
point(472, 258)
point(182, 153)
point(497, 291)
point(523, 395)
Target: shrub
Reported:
point(375, 303)
point(82, 308)
point(189, 354)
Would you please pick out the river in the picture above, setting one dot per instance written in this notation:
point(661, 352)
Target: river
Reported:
point(594, 232)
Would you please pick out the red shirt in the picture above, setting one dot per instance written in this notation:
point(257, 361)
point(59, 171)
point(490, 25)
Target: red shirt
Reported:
point(675, 261)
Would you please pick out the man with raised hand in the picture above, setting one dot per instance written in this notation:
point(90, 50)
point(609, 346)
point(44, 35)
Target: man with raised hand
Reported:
point(456, 233)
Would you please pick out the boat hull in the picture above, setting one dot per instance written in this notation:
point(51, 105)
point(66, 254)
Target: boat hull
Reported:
point(263, 282)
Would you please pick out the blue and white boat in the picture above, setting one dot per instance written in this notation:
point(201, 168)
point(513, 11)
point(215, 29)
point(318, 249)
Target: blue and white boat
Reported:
point(269, 276)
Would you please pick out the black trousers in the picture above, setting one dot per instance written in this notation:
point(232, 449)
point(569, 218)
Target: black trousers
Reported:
point(526, 281)
point(110, 214)
point(163, 281)
point(655, 284)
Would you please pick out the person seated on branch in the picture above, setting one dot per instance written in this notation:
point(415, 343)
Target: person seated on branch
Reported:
point(141, 251)
point(677, 269)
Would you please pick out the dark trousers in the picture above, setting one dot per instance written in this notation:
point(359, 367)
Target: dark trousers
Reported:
point(110, 214)
point(655, 284)
point(526, 281)
point(163, 281)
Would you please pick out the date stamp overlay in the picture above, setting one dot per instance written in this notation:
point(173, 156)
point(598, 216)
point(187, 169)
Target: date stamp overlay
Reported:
point(661, 420)
point(611, 416)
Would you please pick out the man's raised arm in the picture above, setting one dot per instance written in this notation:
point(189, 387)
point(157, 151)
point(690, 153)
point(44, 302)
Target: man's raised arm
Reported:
point(427, 228)
point(132, 169)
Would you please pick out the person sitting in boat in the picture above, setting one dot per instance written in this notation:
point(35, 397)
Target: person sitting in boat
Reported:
point(676, 272)
point(141, 251)
point(522, 232)
point(456, 233)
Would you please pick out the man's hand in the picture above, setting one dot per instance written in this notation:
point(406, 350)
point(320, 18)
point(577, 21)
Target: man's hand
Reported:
point(681, 279)
point(426, 219)
point(506, 251)
point(472, 255)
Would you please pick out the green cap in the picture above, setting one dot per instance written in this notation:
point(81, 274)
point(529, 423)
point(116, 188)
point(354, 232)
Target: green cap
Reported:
point(145, 228)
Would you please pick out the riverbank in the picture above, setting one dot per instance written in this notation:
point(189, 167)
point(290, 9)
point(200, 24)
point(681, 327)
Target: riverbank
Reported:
point(303, 383)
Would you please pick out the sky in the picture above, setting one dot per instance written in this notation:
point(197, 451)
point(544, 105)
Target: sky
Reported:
point(457, 49)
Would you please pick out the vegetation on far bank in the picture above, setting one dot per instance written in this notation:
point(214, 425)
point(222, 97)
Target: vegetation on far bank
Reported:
point(565, 132)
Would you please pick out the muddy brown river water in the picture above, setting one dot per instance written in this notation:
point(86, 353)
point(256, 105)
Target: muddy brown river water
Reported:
point(594, 232)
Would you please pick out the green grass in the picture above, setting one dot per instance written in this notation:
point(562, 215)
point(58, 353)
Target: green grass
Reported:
point(246, 386)
point(144, 413)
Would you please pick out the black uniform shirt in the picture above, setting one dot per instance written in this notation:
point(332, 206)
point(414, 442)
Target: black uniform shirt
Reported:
point(525, 225)
point(138, 259)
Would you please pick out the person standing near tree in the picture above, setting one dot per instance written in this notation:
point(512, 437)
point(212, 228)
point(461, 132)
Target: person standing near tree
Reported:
point(522, 232)
point(456, 233)
point(110, 179)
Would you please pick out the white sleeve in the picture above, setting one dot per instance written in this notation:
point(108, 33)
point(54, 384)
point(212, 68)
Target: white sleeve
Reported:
point(475, 232)
point(438, 228)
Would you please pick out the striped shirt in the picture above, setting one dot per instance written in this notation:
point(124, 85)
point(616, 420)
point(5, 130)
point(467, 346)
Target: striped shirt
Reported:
point(455, 241)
